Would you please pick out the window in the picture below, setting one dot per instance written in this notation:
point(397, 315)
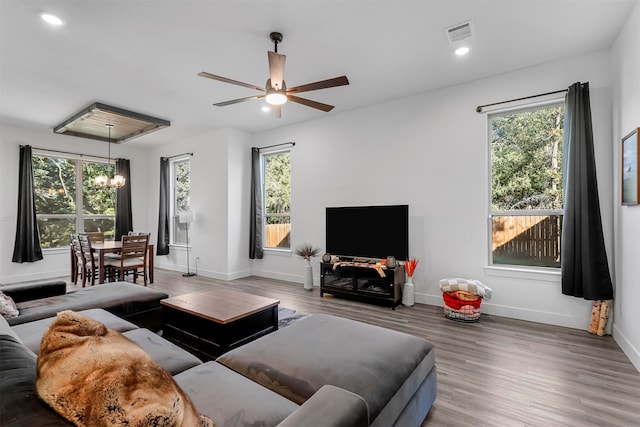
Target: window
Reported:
point(181, 195)
point(526, 186)
point(63, 206)
point(276, 167)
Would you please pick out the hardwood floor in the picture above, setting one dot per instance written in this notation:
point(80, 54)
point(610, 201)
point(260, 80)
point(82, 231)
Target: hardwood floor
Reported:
point(496, 372)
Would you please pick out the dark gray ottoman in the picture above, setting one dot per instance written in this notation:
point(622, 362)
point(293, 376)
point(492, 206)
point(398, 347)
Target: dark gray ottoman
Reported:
point(392, 371)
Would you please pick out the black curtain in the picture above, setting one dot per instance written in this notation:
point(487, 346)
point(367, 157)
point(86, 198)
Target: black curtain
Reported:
point(255, 230)
point(163, 211)
point(27, 243)
point(124, 216)
point(585, 270)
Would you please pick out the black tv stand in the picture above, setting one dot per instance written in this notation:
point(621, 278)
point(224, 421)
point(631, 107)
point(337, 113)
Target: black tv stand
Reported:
point(363, 282)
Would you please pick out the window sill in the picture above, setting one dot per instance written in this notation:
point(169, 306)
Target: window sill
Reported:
point(277, 252)
point(178, 246)
point(55, 251)
point(529, 273)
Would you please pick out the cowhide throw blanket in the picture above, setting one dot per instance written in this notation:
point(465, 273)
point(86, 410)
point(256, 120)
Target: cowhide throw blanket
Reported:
point(94, 376)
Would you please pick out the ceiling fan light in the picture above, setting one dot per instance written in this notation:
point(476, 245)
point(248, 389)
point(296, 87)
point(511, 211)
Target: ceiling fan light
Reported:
point(275, 97)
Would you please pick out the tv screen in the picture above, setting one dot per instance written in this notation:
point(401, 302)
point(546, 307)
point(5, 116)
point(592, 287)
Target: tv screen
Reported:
point(368, 231)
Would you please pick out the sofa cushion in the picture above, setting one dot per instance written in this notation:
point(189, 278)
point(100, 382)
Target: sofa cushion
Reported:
point(166, 354)
point(385, 367)
point(90, 373)
point(31, 332)
point(119, 298)
point(29, 291)
point(8, 308)
point(20, 405)
point(6, 329)
point(231, 400)
point(346, 410)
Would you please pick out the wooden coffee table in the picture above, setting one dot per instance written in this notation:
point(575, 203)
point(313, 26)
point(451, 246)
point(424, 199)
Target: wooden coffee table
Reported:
point(209, 323)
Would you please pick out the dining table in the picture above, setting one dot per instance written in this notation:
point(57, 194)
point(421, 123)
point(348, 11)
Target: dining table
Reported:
point(114, 247)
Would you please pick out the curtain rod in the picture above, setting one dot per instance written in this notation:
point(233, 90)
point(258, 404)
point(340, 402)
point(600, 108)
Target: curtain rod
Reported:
point(277, 145)
point(179, 155)
point(480, 107)
point(68, 152)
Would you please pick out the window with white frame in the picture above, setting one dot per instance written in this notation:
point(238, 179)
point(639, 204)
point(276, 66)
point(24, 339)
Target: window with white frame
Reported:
point(181, 195)
point(526, 198)
point(66, 199)
point(276, 180)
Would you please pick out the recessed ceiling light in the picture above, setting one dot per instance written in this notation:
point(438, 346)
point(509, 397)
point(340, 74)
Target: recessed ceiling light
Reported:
point(266, 108)
point(52, 19)
point(462, 50)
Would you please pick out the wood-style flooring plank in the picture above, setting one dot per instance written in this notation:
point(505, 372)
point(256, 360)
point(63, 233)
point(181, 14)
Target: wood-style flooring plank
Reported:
point(496, 372)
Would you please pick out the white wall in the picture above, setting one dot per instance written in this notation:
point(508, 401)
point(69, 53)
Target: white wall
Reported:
point(626, 116)
point(431, 151)
point(219, 198)
point(56, 261)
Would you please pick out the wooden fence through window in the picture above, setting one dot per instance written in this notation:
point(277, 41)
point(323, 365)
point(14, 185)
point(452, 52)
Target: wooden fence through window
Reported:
point(528, 240)
point(278, 236)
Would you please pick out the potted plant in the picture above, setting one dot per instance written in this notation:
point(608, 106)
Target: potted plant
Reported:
point(408, 292)
point(307, 251)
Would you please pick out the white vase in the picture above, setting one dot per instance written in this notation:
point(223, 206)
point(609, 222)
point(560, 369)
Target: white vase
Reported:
point(308, 276)
point(408, 293)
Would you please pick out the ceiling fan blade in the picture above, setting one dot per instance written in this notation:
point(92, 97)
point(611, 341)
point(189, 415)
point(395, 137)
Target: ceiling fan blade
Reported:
point(226, 80)
point(310, 103)
point(324, 84)
point(236, 101)
point(276, 111)
point(276, 68)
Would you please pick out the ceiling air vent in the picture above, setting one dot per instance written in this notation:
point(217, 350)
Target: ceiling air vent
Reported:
point(460, 32)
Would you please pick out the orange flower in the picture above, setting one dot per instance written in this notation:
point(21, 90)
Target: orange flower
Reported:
point(410, 266)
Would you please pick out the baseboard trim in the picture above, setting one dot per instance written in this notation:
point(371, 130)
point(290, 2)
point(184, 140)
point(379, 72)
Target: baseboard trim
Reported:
point(627, 348)
point(510, 312)
point(207, 273)
point(294, 278)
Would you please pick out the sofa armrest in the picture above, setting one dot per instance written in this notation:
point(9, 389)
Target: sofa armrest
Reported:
point(330, 406)
point(21, 292)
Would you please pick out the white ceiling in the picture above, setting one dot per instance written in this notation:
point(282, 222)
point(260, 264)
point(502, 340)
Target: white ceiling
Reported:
point(144, 55)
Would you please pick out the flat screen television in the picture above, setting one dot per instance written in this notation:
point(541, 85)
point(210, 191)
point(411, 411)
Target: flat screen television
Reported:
point(368, 231)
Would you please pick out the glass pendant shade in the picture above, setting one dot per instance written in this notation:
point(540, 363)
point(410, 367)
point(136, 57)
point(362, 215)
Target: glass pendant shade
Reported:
point(117, 181)
point(104, 181)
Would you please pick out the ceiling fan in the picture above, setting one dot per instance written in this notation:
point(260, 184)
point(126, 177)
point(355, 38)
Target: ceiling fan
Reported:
point(276, 92)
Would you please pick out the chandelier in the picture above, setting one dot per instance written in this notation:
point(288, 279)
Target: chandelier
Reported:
point(104, 181)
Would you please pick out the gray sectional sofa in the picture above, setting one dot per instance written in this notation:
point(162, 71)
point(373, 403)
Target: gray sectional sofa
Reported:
point(135, 303)
point(318, 371)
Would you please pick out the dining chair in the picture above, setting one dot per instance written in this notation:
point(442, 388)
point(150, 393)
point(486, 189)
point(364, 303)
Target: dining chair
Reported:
point(77, 263)
point(133, 257)
point(91, 264)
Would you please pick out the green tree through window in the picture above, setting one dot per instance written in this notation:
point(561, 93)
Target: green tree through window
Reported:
point(277, 194)
point(57, 192)
point(526, 186)
point(181, 198)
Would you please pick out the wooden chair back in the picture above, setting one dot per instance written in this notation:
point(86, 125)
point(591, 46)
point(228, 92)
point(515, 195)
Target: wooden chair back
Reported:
point(95, 236)
point(133, 256)
point(134, 246)
point(90, 262)
point(78, 266)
